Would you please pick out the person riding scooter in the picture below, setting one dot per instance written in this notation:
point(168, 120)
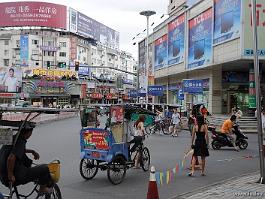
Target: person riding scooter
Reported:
point(227, 129)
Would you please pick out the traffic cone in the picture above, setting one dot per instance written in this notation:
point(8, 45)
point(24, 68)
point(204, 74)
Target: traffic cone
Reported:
point(152, 187)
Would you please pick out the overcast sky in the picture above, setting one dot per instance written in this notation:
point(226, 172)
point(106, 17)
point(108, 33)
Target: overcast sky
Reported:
point(120, 15)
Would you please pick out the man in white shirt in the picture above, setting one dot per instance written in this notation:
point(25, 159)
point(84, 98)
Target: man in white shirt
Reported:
point(11, 82)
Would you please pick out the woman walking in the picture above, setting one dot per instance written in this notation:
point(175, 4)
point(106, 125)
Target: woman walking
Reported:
point(201, 144)
point(176, 123)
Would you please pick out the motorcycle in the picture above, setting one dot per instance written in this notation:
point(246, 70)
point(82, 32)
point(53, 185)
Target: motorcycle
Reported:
point(221, 140)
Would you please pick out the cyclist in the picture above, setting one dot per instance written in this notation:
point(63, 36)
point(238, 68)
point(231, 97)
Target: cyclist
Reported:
point(15, 166)
point(138, 138)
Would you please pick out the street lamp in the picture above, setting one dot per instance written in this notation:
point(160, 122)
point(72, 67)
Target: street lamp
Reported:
point(257, 86)
point(147, 14)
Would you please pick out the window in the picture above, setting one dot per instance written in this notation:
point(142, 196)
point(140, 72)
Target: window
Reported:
point(50, 53)
point(17, 52)
point(6, 42)
point(35, 52)
point(62, 54)
point(62, 44)
point(36, 42)
point(6, 62)
point(84, 59)
point(17, 42)
point(6, 52)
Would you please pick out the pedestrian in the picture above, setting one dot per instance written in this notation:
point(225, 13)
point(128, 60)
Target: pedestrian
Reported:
point(175, 120)
point(191, 121)
point(200, 145)
point(238, 113)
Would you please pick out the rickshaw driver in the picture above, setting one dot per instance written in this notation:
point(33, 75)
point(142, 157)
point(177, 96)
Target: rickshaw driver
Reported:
point(15, 166)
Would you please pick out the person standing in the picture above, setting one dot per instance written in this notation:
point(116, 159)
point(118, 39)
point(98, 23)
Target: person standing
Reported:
point(263, 120)
point(191, 121)
point(175, 119)
point(200, 145)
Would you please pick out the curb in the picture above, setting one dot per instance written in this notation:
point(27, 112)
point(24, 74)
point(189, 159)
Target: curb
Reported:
point(54, 120)
point(204, 188)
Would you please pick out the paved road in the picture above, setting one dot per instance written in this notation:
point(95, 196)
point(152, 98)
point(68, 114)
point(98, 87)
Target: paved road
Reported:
point(60, 139)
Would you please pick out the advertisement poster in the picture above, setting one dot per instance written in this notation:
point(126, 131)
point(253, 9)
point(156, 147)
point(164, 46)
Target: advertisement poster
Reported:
point(90, 28)
point(116, 114)
point(143, 81)
point(95, 139)
point(248, 29)
point(176, 32)
point(24, 50)
point(73, 48)
point(161, 52)
point(227, 22)
point(33, 14)
point(200, 40)
point(151, 71)
point(252, 89)
point(10, 80)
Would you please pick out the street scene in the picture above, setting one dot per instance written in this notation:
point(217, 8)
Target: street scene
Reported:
point(144, 99)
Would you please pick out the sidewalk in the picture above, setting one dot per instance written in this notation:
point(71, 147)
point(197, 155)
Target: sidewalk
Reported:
point(235, 188)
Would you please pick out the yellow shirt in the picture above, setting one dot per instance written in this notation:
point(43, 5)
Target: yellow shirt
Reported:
point(227, 125)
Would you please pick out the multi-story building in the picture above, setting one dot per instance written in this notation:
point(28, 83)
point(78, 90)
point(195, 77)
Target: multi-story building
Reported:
point(51, 49)
point(210, 42)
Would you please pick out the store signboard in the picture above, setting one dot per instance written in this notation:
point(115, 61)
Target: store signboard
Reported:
point(180, 94)
point(247, 27)
point(252, 89)
point(10, 80)
point(24, 50)
point(133, 93)
point(48, 72)
point(25, 13)
point(176, 32)
point(90, 28)
point(192, 86)
point(200, 40)
point(161, 52)
point(227, 20)
point(156, 90)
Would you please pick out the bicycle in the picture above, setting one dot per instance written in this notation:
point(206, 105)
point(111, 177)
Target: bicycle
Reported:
point(144, 156)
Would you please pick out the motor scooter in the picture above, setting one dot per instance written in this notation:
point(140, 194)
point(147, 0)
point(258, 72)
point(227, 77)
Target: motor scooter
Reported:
point(221, 140)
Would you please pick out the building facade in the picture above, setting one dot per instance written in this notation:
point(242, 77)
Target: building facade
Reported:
point(209, 41)
point(44, 50)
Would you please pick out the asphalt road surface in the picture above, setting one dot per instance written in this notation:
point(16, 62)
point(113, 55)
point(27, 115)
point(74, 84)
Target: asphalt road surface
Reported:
point(60, 140)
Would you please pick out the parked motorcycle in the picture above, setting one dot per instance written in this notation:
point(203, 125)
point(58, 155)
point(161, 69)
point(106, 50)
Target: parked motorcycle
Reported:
point(221, 140)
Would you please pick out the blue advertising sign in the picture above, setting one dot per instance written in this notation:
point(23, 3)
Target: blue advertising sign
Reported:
point(83, 70)
point(156, 90)
point(176, 31)
point(24, 50)
point(133, 93)
point(90, 28)
point(192, 86)
point(161, 52)
point(200, 40)
point(180, 94)
point(226, 20)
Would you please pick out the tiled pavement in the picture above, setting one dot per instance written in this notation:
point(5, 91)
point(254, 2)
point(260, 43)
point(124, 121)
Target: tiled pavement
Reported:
point(244, 187)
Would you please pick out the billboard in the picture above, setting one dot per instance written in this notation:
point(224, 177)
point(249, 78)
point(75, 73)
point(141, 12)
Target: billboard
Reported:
point(143, 80)
point(176, 31)
point(33, 14)
point(192, 86)
point(90, 28)
point(10, 80)
point(227, 22)
point(200, 40)
point(161, 52)
point(247, 28)
point(24, 50)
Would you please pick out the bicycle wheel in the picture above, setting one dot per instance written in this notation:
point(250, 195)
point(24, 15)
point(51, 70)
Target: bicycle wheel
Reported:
point(145, 159)
point(117, 170)
point(56, 193)
point(88, 168)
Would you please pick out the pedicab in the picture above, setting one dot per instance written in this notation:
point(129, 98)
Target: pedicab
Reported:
point(10, 129)
point(104, 140)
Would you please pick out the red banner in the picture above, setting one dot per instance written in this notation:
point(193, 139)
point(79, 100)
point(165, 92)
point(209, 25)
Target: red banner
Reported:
point(33, 14)
point(96, 96)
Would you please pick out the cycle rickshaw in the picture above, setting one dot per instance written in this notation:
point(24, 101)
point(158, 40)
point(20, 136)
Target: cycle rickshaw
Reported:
point(9, 133)
point(104, 140)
